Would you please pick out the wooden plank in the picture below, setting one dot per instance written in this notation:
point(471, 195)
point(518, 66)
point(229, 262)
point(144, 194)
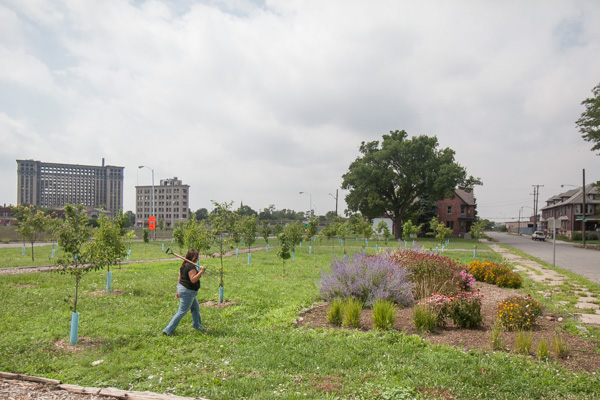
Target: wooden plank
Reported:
point(79, 389)
point(8, 375)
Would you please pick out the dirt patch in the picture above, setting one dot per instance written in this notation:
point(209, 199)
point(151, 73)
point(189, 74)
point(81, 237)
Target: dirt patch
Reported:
point(214, 304)
point(583, 355)
point(84, 343)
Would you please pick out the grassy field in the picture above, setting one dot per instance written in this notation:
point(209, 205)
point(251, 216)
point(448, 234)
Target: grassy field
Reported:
point(15, 257)
point(253, 349)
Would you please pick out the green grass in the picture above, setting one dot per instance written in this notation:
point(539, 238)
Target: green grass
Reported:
point(253, 350)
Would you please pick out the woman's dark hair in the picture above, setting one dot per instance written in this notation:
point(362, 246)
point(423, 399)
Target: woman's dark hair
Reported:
point(191, 255)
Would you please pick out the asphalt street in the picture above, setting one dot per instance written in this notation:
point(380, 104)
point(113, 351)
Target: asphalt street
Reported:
point(584, 262)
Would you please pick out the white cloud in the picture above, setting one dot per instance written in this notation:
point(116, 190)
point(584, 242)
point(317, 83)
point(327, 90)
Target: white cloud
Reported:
point(260, 100)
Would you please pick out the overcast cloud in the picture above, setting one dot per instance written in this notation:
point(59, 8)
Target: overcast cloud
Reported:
point(255, 101)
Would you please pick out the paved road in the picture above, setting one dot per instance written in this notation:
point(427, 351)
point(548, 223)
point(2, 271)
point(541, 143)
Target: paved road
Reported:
point(584, 262)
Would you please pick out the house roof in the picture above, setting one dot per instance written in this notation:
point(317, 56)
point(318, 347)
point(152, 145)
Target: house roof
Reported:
point(465, 196)
point(574, 196)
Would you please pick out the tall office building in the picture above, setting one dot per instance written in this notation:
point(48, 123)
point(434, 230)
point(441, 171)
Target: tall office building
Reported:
point(171, 200)
point(55, 185)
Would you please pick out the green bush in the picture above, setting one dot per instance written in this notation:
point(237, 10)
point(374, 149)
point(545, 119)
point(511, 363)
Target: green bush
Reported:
point(384, 314)
point(425, 318)
point(576, 236)
point(336, 311)
point(509, 280)
point(465, 310)
point(351, 315)
point(519, 312)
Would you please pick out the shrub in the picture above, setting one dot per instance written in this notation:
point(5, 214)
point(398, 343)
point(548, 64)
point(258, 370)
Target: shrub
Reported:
point(336, 310)
point(490, 272)
point(519, 312)
point(430, 273)
point(352, 311)
point(384, 314)
point(464, 281)
point(425, 318)
point(465, 310)
point(509, 280)
point(523, 342)
point(367, 278)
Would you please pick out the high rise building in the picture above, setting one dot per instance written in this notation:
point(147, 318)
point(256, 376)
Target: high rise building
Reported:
point(171, 201)
point(55, 185)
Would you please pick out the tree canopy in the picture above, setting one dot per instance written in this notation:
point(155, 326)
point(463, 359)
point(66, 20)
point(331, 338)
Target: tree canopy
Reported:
point(389, 178)
point(589, 121)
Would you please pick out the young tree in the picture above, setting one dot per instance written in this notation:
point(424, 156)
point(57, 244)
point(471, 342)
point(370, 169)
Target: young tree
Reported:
point(387, 179)
point(589, 121)
point(278, 229)
point(266, 231)
point(222, 220)
point(249, 228)
point(313, 227)
point(179, 235)
point(284, 249)
point(31, 223)
point(439, 230)
point(293, 233)
point(409, 229)
point(477, 229)
point(198, 236)
point(109, 246)
point(343, 231)
point(77, 258)
point(381, 225)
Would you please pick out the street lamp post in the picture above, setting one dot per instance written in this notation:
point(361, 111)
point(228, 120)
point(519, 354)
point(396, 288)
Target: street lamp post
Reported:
point(154, 231)
point(336, 201)
point(310, 204)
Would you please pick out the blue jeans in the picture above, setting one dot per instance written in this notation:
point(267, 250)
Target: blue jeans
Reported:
point(187, 301)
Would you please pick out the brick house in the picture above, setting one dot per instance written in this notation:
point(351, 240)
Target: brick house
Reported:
point(6, 216)
point(457, 213)
point(567, 210)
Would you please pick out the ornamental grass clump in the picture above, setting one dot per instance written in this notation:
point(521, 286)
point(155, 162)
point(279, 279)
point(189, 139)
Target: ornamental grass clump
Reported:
point(431, 273)
point(367, 279)
point(523, 342)
point(336, 311)
point(352, 311)
point(519, 312)
point(425, 318)
point(384, 314)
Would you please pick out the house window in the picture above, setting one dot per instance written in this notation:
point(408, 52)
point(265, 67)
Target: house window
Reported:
point(462, 208)
point(449, 209)
point(450, 224)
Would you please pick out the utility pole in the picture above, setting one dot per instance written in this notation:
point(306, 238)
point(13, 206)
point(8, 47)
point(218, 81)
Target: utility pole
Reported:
point(583, 213)
point(536, 194)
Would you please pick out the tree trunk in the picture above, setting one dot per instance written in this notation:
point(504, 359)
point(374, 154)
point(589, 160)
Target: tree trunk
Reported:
point(398, 227)
point(32, 251)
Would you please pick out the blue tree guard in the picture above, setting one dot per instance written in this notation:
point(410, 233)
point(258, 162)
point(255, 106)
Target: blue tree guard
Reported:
point(236, 252)
point(74, 334)
point(162, 246)
point(108, 281)
point(293, 255)
point(309, 249)
point(249, 257)
point(52, 253)
point(376, 246)
point(221, 291)
point(23, 251)
point(267, 246)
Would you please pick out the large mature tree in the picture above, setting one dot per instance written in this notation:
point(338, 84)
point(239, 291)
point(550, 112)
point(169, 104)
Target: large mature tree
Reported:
point(388, 179)
point(589, 122)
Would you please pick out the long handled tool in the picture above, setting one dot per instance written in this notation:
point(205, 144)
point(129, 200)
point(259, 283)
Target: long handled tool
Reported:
point(169, 251)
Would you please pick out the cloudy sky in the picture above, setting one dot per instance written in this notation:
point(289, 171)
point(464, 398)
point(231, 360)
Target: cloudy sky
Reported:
point(255, 101)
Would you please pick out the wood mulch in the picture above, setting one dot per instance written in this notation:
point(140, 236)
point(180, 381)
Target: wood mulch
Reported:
point(583, 352)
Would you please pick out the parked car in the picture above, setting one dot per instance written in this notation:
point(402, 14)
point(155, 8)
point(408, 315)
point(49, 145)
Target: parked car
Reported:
point(538, 235)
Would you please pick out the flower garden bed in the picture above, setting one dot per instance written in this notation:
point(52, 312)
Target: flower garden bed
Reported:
point(582, 354)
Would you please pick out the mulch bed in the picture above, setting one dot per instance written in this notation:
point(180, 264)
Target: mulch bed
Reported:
point(583, 354)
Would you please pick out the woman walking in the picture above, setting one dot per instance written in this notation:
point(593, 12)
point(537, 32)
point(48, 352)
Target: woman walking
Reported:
point(188, 285)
